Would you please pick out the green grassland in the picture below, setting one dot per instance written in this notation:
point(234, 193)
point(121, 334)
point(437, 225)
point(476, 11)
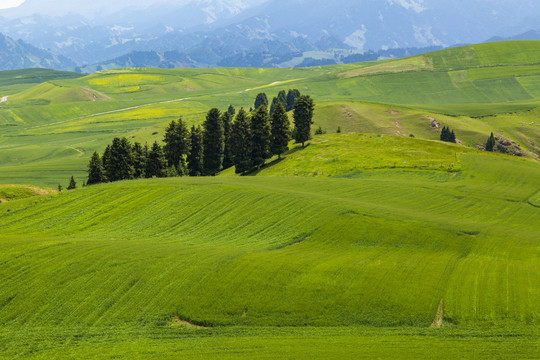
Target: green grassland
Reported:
point(344, 249)
point(345, 263)
point(475, 90)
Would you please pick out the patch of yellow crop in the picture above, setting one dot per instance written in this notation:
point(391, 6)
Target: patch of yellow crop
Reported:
point(127, 80)
point(410, 64)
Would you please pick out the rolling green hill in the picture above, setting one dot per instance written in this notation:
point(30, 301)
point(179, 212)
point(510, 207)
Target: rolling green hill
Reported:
point(118, 264)
point(475, 90)
point(351, 247)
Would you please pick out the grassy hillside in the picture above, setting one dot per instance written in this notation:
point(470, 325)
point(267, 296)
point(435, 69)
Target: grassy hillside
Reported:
point(112, 266)
point(475, 90)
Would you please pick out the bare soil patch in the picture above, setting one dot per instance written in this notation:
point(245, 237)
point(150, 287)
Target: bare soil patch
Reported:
point(177, 322)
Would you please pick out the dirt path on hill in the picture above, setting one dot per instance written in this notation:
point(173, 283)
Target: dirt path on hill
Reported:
point(4, 99)
point(144, 105)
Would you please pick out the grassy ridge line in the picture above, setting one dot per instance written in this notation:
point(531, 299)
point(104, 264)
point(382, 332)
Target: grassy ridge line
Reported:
point(382, 250)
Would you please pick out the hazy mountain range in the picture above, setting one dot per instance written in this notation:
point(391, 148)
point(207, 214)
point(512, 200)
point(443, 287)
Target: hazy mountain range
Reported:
point(255, 32)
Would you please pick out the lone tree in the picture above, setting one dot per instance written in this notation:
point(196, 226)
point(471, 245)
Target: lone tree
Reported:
point(177, 145)
point(96, 173)
point(213, 143)
point(261, 100)
point(227, 118)
point(72, 184)
point(303, 118)
point(156, 165)
point(260, 136)
point(195, 157)
point(241, 144)
point(292, 95)
point(490, 144)
point(281, 131)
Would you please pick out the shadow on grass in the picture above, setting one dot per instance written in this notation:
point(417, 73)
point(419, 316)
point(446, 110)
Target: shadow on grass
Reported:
point(277, 161)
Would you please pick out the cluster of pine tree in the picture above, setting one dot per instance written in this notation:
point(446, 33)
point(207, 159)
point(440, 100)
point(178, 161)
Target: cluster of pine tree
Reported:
point(244, 140)
point(447, 135)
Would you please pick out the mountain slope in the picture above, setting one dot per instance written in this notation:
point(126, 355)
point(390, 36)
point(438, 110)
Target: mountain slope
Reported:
point(20, 55)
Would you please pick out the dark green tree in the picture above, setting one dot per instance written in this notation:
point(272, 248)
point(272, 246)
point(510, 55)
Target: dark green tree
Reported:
point(261, 100)
point(177, 145)
point(120, 166)
point(447, 135)
point(490, 144)
point(72, 184)
point(339, 130)
point(303, 118)
point(281, 98)
point(231, 110)
point(106, 161)
point(59, 188)
point(319, 131)
point(156, 164)
point(444, 134)
point(140, 154)
point(227, 119)
point(260, 136)
point(241, 144)
point(213, 143)
point(96, 172)
point(195, 158)
point(281, 131)
point(292, 95)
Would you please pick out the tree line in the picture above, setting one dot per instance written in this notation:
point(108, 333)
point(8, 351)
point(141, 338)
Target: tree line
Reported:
point(229, 138)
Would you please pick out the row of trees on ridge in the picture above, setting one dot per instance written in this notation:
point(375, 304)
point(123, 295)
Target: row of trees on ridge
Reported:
point(244, 140)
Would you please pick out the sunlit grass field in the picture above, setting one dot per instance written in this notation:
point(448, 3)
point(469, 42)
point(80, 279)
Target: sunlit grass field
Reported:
point(351, 247)
point(113, 265)
point(475, 90)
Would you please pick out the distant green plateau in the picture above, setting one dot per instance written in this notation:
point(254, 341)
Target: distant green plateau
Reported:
point(376, 242)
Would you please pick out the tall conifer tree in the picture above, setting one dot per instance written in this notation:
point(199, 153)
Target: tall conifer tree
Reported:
point(241, 143)
point(490, 144)
point(227, 118)
point(96, 172)
point(156, 164)
point(260, 136)
point(121, 161)
point(261, 100)
point(303, 118)
point(281, 131)
point(195, 158)
point(139, 160)
point(177, 145)
point(213, 143)
point(292, 95)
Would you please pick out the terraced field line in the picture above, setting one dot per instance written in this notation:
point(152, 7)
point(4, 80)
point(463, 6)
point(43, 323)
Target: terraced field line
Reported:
point(144, 105)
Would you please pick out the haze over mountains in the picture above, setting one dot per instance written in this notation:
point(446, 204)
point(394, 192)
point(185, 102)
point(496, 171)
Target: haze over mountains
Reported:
point(273, 33)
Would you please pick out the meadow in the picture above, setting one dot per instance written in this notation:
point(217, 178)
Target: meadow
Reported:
point(475, 90)
point(352, 247)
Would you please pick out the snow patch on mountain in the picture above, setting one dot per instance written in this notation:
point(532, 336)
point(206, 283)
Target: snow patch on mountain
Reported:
point(357, 39)
point(415, 5)
point(423, 35)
